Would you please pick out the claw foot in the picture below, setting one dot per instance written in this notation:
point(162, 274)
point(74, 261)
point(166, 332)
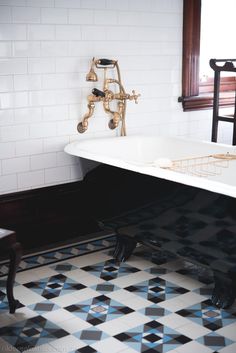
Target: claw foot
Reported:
point(124, 248)
point(224, 293)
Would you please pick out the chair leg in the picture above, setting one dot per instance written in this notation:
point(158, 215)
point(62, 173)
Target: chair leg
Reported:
point(234, 130)
point(15, 257)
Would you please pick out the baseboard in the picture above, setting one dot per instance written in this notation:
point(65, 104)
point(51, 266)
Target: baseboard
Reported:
point(47, 215)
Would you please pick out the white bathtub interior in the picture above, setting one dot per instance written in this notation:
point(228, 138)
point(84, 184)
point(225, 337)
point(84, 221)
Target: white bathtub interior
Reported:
point(138, 152)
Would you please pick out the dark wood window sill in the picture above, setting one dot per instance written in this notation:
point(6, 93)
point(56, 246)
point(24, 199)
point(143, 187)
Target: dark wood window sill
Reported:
point(205, 101)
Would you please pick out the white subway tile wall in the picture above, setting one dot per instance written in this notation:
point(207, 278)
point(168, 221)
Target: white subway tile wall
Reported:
point(46, 47)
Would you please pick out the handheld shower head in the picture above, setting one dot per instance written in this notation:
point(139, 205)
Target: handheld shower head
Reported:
point(92, 76)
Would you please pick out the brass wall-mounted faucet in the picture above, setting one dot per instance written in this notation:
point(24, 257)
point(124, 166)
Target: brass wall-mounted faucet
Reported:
point(106, 96)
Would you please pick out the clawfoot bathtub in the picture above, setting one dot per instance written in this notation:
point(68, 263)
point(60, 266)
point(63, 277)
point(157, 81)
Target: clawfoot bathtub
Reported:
point(195, 214)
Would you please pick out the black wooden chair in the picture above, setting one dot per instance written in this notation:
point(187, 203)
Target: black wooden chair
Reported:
point(227, 67)
point(10, 247)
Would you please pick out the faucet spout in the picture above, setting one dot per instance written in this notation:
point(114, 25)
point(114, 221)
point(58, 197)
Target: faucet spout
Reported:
point(83, 125)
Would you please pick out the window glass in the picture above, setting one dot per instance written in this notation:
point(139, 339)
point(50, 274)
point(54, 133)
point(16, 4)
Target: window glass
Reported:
point(218, 33)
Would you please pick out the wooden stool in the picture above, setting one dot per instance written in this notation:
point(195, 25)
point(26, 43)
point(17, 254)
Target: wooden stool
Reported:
point(9, 244)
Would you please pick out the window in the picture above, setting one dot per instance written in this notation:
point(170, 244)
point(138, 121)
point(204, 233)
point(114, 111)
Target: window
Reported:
point(198, 94)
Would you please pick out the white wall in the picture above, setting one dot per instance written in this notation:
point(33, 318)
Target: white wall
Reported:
point(45, 51)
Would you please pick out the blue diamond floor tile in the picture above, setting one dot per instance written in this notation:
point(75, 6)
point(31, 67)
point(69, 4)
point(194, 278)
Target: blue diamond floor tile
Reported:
point(214, 341)
point(30, 333)
point(54, 286)
point(207, 315)
point(98, 310)
point(110, 270)
point(102, 309)
point(152, 337)
point(156, 290)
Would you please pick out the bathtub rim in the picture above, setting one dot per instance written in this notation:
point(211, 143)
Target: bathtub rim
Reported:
point(198, 182)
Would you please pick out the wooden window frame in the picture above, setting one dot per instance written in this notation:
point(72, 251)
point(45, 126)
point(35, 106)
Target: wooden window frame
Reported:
point(196, 95)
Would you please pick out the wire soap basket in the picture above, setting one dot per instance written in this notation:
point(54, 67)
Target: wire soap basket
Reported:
point(203, 166)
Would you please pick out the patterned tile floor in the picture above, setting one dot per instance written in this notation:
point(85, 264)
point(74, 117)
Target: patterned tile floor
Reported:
point(91, 304)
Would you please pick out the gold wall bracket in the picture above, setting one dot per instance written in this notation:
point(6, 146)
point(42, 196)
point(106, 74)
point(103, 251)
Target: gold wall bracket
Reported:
point(106, 96)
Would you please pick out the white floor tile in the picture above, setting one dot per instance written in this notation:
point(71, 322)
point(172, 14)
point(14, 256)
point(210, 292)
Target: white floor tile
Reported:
point(129, 299)
point(74, 325)
point(117, 326)
point(91, 280)
point(85, 294)
point(89, 259)
point(139, 263)
point(134, 319)
point(43, 272)
point(182, 280)
point(34, 274)
point(76, 275)
point(191, 298)
point(190, 283)
point(229, 349)
point(174, 277)
point(75, 297)
point(22, 314)
point(41, 349)
point(131, 279)
point(65, 300)
point(67, 344)
point(26, 276)
point(6, 320)
point(193, 330)
point(128, 350)
point(182, 301)
point(173, 304)
point(27, 296)
point(137, 303)
point(120, 295)
point(109, 345)
point(173, 320)
point(228, 331)
point(57, 316)
point(193, 347)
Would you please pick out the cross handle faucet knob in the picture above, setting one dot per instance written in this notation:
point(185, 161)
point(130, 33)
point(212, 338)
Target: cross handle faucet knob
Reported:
point(135, 96)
